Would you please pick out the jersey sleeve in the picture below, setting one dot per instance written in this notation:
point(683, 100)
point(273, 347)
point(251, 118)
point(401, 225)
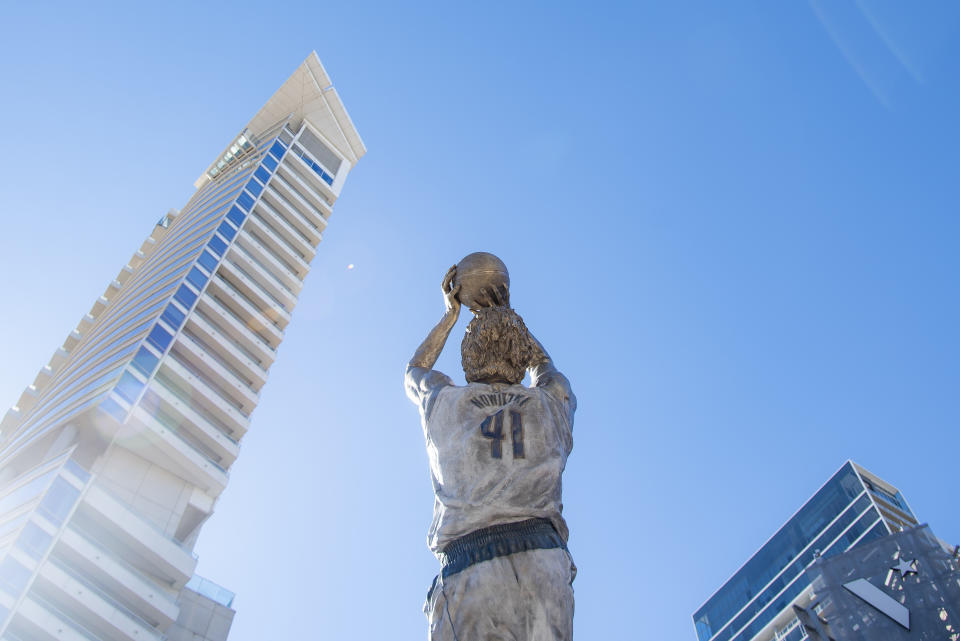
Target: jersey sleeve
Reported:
point(423, 385)
point(546, 377)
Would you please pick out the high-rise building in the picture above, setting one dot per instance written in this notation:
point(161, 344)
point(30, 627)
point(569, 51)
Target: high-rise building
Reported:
point(853, 508)
point(114, 457)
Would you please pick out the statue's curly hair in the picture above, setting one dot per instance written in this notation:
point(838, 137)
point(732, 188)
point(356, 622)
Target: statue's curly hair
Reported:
point(496, 345)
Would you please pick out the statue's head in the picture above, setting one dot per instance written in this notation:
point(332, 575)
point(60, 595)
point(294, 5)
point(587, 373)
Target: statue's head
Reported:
point(497, 347)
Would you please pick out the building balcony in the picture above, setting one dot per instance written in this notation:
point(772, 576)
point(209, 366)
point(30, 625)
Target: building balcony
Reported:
point(138, 258)
point(28, 399)
point(276, 263)
point(291, 214)
point(125, 274)
point(191, 353)
point(262, 274)
point(59, 358)
point(72, 340)
point(87, 605)
point(283, 228)
point(235, 354)
point(139, 543)
point(246, 311)
point(230, 324)
point(286, 187)
point(85, 323)
point(38, 622)
point(296, 173)
point(211, 438)
point(174, 448)
point(192, 389)
point(254, 294)
point(302, 161)
point(272, 240)
point(129, 585)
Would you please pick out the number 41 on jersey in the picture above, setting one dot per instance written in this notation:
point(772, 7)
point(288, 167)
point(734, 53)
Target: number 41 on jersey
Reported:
point(492, 428)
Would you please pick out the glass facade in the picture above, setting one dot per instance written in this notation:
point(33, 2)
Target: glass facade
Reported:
point(843, 513)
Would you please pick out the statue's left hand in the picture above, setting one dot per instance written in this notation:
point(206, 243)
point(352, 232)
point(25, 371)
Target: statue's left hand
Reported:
point(450, 292)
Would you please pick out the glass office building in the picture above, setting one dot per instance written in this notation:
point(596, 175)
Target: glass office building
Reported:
point(114, 457)
point(854, 507)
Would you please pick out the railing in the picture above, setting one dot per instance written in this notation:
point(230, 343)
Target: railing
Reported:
point(106, 597)
point(319, 169)
point(203, 380)
point(277, 237)
point(246, 299)
point(300, 198)
point(169, 386)
point(180, 433)
point(269, 269)
point(266, 268)
point(265, 246)
point(243, 321)
point(90, 540)
point(256, 286)
point(270, 209)
point(64, 618)
point(222, 335)
point(273, 191)
point(211, 590)
point(214, 354)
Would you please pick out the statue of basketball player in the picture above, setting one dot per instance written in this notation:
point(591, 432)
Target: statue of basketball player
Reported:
point(497, 450)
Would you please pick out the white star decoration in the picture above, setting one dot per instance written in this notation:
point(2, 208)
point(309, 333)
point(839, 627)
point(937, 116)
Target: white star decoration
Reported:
point(904, 567)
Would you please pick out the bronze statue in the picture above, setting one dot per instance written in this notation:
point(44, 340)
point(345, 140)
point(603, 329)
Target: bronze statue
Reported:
point(497, 451)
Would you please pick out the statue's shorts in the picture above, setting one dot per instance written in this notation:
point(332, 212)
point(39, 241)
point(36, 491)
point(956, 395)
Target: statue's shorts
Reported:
point(506, 583)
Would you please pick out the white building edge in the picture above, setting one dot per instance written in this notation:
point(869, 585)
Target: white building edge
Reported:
point(115, 456)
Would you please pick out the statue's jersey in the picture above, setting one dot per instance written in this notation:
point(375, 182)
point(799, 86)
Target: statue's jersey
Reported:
point(497, 452)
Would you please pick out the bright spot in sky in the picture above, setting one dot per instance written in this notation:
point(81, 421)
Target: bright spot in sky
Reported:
point(350, 266)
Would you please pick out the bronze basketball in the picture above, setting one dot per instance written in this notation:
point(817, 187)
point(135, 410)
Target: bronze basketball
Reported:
point(480, 270)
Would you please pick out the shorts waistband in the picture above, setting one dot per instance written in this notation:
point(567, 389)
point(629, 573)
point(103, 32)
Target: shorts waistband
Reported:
point(498, 540)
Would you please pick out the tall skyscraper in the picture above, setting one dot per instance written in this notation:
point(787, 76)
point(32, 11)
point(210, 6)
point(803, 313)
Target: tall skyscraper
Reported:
point(853, 508)
point(114, 457)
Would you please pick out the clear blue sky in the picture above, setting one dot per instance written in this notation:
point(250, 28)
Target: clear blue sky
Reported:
point(734, 225)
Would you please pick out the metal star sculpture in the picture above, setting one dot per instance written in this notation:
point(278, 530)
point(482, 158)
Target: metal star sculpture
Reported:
point(904, 567)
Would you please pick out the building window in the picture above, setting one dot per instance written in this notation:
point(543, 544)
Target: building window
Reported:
point(236, 216)
point(196, 278)
point(217, 246)
point(172, 316)
point(13, 576)
point(245, 200)
point(185, 296)
point(58, 502)
point(208, 261)
point(159, 338)
point(34, 540)
point(145, 361)
point(113, 408)
point(129, 387)
point(227, 231)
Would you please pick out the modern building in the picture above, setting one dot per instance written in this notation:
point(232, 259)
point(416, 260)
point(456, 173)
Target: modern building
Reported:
point(902, 587)
point(853, 508)
point(114, 457)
